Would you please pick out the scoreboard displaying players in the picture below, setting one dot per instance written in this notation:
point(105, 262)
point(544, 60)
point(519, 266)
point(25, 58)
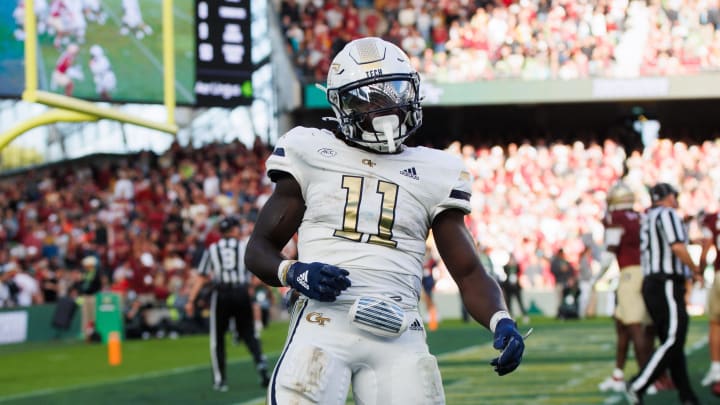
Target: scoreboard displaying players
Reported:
point(112, 50)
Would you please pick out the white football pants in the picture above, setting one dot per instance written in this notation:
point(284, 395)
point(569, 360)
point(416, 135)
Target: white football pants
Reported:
point(325, 353)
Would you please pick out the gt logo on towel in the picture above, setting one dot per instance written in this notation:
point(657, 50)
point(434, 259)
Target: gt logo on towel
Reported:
point(316, 317)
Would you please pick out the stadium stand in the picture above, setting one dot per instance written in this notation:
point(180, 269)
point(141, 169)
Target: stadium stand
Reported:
point(146, 217)
point(529, 39)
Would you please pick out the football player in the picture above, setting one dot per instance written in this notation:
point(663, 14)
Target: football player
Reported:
point(622, 238)
point(132, 20)
point(41, 16)
point(76, 23)
point(93, 11)
point(19, 16)
point(103, 74)
point(710, 225)
point(363, 205)
point(65, 71)
point(428, 284)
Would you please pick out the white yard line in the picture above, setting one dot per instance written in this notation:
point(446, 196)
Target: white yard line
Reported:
point(152, 374)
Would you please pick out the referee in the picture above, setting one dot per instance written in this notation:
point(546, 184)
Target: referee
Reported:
point(222, 263)
point(666, 266)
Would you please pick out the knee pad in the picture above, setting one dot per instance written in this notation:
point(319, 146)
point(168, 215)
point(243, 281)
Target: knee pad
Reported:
point(312, 375)
point(431, 380)
point(419, 372)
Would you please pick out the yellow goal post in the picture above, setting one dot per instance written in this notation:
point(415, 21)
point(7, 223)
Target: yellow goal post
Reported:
point(71, 109)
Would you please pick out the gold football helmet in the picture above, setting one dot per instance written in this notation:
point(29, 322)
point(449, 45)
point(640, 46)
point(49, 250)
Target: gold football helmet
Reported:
point(620, 196)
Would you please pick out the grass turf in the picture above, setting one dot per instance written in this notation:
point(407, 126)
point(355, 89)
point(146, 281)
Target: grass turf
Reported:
point(563, 364)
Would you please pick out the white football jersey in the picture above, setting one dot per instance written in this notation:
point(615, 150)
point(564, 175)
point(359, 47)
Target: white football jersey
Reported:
point(369, 213)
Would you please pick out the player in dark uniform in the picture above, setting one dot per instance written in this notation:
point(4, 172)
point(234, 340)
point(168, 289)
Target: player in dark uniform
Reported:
point(428, 284)
point(622, 238)
point(710, 224)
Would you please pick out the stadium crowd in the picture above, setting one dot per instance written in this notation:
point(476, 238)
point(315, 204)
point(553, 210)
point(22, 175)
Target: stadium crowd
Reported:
point(456, 41)
point(145, 219)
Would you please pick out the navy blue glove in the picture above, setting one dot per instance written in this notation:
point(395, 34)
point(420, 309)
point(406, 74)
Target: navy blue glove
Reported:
point(508, 339)
point(319, 281)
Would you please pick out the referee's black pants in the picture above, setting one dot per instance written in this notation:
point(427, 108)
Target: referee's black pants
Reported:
point(227, 303)
point(665, 300)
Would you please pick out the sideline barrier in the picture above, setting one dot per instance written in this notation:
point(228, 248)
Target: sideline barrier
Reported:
point(34, 324)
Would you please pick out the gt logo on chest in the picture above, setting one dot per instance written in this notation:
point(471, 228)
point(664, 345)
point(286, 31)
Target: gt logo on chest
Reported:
point(374, 72)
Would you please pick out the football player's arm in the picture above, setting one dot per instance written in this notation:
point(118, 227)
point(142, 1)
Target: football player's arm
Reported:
point(706, 242)
point(613, 236)
point(481, 294)
point(704, 253)
point(278, 220)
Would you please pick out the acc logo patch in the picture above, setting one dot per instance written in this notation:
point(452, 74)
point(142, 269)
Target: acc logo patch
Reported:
point(327, 152)
point(317, 317)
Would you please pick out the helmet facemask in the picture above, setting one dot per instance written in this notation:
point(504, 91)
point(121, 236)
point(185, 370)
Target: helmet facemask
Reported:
point(379, 112)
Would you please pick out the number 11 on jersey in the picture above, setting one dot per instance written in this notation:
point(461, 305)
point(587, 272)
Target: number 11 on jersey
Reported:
point(353, 186)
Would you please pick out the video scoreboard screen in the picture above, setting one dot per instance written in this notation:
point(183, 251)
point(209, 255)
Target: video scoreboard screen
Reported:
point(223, 66)
point(112, 50)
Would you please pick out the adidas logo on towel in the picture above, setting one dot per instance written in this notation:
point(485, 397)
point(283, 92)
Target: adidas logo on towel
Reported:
point(302, 279)
point(410, 173)
point(416, 325)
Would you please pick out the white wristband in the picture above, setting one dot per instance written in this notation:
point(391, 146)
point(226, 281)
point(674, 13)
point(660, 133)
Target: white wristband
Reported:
point(283, 269)
point(497, 316)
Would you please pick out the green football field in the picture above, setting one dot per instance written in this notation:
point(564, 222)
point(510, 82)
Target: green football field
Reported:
point(137, 63)
point(563, 364)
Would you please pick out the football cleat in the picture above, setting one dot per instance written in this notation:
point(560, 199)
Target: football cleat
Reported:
point(222, 387)
point(612, 384)
point(711, 377)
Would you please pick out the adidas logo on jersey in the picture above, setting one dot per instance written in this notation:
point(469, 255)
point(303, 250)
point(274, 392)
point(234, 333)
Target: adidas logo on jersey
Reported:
point(410, 173)
point(416, 325)
point(302, 279)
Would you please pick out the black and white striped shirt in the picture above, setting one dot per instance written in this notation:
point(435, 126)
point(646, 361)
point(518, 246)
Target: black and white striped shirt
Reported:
point(223, 262)
point(661, 227)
